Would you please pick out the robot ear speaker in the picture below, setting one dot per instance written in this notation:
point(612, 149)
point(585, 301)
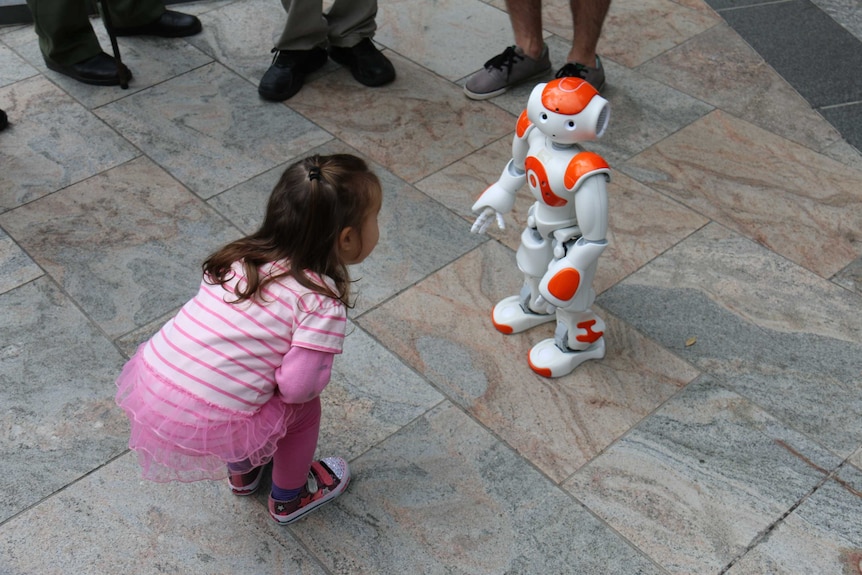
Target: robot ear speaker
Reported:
point(602, 121)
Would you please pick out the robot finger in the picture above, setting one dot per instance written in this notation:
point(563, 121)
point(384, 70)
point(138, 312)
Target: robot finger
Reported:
point(482, 221)
point(501, 223)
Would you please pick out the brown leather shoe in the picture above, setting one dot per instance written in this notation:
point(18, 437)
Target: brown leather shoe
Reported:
point(100, 70)
point(169, 25)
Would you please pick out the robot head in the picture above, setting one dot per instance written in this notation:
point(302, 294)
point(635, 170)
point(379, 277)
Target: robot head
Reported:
point(568, 110)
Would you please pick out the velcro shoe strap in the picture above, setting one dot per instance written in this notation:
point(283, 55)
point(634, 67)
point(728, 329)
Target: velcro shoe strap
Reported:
point(323, 474)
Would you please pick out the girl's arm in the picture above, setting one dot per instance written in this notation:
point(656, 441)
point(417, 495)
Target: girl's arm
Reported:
point(303, 374)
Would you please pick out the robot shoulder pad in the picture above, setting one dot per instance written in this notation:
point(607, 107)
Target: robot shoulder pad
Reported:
point(523, 125)
point(583, 165)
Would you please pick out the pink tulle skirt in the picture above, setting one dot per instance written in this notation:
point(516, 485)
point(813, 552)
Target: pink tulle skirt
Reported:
point(181, 437)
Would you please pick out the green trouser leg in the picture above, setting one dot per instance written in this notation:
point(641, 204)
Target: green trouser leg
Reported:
point(65, 33)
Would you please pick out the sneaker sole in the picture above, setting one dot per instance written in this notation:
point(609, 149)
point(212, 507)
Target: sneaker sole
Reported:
point(312, 507)
point(488, 95)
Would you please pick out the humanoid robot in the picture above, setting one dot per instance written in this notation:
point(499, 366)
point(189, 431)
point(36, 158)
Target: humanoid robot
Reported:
point(566, 226)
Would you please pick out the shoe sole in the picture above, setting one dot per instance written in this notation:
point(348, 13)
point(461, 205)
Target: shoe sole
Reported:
point(488, 95)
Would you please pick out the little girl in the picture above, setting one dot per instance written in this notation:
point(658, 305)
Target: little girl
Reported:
point(233, 380)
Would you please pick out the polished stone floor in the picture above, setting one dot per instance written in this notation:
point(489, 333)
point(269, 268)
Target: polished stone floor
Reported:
point(721, 434)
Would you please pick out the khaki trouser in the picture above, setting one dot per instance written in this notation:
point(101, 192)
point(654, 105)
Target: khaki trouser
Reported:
point(346, 23)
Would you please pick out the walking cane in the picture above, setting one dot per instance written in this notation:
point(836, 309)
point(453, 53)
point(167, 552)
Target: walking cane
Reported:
point(109, 28)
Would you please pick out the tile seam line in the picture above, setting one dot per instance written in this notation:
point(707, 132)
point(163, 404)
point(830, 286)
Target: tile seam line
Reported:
point(766, 532)
point(756, 5)
point(59, 490)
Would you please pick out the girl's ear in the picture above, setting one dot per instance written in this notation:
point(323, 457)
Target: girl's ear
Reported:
point(349, 244)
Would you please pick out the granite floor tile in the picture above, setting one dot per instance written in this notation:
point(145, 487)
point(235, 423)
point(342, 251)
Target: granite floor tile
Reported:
point(636, 31)
point(42, 150)
point(414, 126)
point(851, 276)
point(210, 129)
point(822, 535)
point(444, 496)
point(58, 420)
point(557, 424)
point(695, 484)
point(152, 61)
point(848, 13)
point(16, 267)
point(126, 244)
point(821, 59)
point(453, 38)
point(848, 119)
point(643, 223)
point(13, 68)
point(240, 36)
point(372, 395)
point(792, 200)
point(786, 339)
point(113, 522)
point(720, 68)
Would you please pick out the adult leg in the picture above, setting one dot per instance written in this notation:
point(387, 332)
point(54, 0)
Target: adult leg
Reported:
point(352, 24)
point(131, 13)
point(351, 21)
point(588, 16)
point(65, 34)
point(527, 60)
point(305, 27)
point(526, 19)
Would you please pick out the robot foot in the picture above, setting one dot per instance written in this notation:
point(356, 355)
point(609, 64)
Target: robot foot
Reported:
point(509, 317)
point(548, 360)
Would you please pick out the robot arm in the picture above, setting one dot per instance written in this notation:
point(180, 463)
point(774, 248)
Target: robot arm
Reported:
point(499, 198)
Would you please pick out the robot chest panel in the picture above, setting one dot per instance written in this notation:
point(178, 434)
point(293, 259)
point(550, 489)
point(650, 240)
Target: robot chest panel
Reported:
point(545, 172)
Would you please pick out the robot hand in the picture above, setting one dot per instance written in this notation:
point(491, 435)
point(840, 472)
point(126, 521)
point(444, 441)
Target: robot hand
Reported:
point(484, 219)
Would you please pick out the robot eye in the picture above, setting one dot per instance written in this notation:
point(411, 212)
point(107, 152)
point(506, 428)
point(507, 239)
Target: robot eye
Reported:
point(544, 117)
point(570, 125)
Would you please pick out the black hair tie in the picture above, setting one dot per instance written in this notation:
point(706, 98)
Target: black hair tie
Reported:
point(314, 174)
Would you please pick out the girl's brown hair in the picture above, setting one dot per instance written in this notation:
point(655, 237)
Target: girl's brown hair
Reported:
point(314, 200)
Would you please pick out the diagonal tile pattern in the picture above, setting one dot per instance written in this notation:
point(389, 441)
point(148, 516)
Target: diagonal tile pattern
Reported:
point(720, 435)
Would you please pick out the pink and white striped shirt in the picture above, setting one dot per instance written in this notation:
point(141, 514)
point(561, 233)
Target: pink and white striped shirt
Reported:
point(227, 354)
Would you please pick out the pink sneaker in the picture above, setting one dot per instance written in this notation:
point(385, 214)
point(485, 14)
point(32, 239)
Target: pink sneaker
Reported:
point(245, 483)
point(327, 480)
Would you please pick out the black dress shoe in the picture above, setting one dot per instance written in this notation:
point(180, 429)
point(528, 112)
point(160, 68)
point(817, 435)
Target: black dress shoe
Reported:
point(4, 121)
point(100, 70)
point(287, 72)
point(169, 25)
point(365, 62)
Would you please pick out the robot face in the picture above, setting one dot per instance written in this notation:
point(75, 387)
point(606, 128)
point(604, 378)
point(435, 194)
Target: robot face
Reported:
point(568, 110)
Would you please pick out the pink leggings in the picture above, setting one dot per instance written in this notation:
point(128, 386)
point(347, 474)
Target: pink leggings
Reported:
point(295, 451)
point(292, 459)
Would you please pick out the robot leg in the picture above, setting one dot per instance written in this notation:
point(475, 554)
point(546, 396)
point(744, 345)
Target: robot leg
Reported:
point(578, 338)
point(518, 313)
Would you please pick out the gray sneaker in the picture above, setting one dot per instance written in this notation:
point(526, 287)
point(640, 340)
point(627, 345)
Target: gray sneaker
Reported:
point(595, 76)
point(504, 71)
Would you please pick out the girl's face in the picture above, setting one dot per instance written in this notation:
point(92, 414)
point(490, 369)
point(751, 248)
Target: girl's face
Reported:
point(357, 244)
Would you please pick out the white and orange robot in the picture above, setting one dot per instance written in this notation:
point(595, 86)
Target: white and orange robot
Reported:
point(566, 226)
